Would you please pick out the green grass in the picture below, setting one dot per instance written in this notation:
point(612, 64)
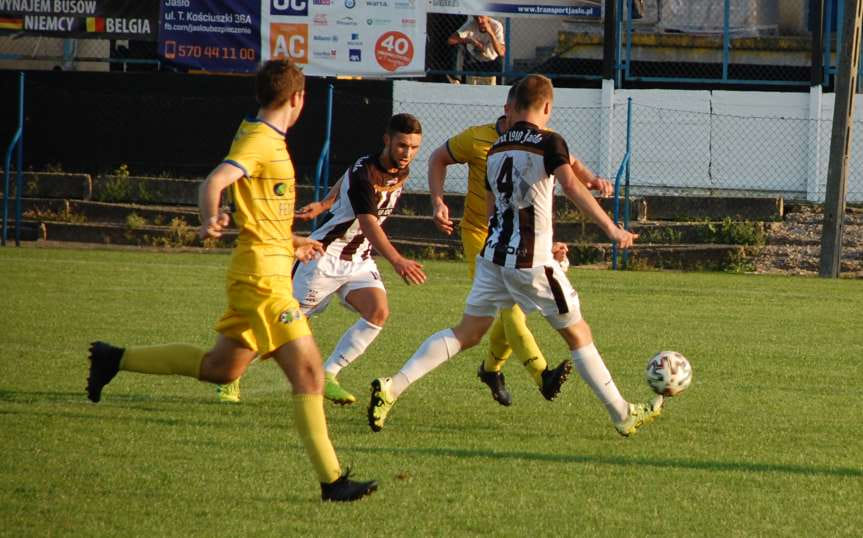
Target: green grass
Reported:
point(765, 442)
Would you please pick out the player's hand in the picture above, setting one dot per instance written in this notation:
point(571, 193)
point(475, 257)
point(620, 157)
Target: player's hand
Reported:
point(309, 211)
point(214, 227)
point(410, 271)
point(559, 250)
point(623, 238)
point(602, 186)
point(309, 250)
point(441, 219)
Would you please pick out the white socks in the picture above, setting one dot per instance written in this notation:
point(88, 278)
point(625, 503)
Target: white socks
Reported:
point(432, 353)
point(591, 368)
point(351, 345)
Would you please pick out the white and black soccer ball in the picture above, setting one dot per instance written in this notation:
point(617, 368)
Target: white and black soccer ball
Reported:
point(668, 373)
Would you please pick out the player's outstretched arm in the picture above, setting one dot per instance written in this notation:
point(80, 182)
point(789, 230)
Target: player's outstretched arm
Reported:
point(313, 209)
point(409, 270)
point(581, 197)
point(213, 222)
point(438, 162)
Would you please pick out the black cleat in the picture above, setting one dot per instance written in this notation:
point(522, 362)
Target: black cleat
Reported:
point(345, 489)
point(497, 384)
point(552, 380)
point(104, 365)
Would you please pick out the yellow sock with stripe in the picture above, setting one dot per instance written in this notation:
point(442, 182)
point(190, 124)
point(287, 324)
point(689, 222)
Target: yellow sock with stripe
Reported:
point(166, 359)
point(523, 343)
point(311, 424)
point(498, 348)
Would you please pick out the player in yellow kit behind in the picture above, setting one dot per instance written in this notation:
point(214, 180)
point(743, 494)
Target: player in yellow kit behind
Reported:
point(262, 317)
point(509, 333)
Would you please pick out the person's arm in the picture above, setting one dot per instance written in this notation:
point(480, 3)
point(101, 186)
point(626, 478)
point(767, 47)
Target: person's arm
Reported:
point(438, 161)
point(409, 270)
point(213, 221)
point(313, 209)
point(581, 197)
point(306, 249)
point(497, 40)
point(589, 179)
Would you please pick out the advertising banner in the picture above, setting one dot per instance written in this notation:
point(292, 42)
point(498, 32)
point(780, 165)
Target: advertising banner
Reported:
point(211, 35)
point(347, 37)
point(95, 19)
point(519, 8)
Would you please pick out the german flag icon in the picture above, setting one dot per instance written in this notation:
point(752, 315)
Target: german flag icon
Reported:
point(11, 24)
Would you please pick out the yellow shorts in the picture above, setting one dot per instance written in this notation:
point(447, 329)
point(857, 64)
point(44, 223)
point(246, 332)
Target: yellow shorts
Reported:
point(262, 313)
point(472, 240)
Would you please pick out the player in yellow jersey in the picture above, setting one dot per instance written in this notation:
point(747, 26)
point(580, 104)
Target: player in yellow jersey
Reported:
point(262, 318)
point(509, 333)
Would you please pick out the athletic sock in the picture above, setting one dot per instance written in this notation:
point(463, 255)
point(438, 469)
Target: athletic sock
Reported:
point(592, 369)
point(166, 359)
point(498, 348)
point(311, 424)
point(436, 350)
point(351, 345)
point(523, 343)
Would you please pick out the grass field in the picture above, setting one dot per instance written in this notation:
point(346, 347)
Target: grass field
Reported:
point(765, 442)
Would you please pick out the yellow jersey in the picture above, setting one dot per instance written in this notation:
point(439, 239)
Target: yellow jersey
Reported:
point(263, 201)
point(471, 147)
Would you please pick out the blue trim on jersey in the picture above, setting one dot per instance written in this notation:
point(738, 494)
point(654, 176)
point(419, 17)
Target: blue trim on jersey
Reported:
point(254, 119)
point(238, 165)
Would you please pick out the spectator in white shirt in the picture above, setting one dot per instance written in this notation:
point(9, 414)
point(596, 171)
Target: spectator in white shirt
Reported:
point(482, 36)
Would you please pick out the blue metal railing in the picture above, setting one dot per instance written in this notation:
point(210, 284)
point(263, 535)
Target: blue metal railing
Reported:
point(322, 170)
point(17, 142)
point(623, 66)
point(622, 170)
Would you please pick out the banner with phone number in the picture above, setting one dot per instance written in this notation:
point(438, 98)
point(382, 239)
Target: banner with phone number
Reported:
point(326, 37)
point(211, 35)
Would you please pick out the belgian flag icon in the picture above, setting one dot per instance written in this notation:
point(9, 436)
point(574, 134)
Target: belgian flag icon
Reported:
point(96, 24)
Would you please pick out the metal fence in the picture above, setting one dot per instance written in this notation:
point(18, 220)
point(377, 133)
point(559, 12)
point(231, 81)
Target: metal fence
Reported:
point(47, 53)
point(706, 147)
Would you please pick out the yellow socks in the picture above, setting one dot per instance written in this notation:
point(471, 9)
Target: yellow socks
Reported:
point(167, 359)
point(498, 348)
point(523, 343)
point(311, 424)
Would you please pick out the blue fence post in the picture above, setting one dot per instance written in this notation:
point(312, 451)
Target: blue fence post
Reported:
point(618, 47)
point(17, 140)
point(322, 171)
point(624, 165)
point(828, 28)
point(626, 184)
point(726, 37)
point(628, 39)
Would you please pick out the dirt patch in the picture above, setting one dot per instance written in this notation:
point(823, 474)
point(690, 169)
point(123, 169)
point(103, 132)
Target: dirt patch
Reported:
point(794, 245)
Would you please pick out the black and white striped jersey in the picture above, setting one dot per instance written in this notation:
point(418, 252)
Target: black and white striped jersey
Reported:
point(367, 188)
point(520, 175)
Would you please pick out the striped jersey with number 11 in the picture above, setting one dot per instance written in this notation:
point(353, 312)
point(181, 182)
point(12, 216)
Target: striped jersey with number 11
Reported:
point(367, 188)
point(520, 176)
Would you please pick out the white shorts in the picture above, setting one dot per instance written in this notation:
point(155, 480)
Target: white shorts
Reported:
point(316, 282)
point(543, 288)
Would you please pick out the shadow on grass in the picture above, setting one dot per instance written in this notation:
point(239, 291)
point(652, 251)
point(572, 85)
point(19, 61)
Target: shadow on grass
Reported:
point(719, 466)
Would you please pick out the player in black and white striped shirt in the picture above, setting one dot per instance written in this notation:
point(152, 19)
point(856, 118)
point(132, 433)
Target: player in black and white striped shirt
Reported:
point(516, 264)
point(359, 203)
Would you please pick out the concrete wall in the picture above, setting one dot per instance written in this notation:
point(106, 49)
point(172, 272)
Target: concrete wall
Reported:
point(715, 142)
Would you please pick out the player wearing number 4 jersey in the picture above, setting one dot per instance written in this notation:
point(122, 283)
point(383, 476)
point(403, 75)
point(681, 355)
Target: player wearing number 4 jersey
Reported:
point(509, 333)
point(516, 266)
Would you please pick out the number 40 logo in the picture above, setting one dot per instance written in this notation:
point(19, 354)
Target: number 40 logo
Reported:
point(394, 50)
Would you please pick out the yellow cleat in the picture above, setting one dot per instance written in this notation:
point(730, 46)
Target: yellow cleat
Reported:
point(381, 403)
point(334, 392)
point(230, 392)
point(639, 415)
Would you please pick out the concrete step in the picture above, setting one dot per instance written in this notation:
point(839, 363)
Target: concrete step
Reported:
point(711, 208)
point(52, 185)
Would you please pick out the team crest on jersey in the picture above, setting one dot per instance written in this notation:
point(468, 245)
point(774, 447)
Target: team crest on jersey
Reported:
point(280, 189)
point(290, 315)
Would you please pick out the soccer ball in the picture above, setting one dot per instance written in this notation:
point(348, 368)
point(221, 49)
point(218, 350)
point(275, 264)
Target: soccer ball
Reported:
point(668, 373)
